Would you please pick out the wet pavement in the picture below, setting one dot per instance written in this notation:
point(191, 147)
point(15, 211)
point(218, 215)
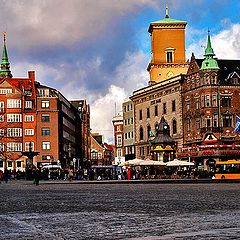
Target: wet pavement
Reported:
point(119, 211)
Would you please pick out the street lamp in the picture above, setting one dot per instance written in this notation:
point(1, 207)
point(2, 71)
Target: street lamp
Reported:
point(29, 163)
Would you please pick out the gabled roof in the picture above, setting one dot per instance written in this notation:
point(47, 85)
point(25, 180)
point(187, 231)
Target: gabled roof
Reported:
point(226, 67)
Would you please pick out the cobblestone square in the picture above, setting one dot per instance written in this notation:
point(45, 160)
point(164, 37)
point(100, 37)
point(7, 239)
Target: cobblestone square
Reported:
point(119, 211)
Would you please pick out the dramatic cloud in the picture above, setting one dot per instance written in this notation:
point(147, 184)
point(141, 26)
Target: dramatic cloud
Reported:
point(226, 44)
point(99, 50)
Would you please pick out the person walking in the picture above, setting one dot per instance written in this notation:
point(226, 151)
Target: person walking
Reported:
point(6, 173)
point(36, 176)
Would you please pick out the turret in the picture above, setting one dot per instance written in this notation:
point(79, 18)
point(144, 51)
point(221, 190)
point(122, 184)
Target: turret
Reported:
point(209, 62)
point(5, 71)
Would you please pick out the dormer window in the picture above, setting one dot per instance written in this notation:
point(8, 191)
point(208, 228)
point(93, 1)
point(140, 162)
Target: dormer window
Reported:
point(169, 55)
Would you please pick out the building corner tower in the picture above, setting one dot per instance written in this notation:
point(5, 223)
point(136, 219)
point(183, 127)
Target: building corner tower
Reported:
point(167, 49)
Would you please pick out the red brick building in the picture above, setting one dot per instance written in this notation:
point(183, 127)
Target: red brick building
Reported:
point(39, 118)
point(210, 97)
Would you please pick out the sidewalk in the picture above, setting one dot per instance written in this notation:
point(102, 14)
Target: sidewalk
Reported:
point(146, 181)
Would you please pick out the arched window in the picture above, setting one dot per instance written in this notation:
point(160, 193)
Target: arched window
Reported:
point(141, 133)
point(148, 131)
point(174, 126)
point(156, 127)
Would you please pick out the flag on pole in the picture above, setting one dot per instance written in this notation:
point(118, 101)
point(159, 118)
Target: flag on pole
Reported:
point(237, 128)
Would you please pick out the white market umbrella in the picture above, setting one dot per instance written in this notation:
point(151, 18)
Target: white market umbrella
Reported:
point(176, 163)
point(152, 163)
point(134, 161)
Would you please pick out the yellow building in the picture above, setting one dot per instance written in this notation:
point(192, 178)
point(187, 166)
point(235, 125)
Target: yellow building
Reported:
point(168, 49)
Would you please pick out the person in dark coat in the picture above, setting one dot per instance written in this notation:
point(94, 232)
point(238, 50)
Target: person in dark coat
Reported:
point(36, 176)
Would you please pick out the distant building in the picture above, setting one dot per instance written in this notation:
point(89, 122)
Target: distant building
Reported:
point(128, 129)
point(38, 118)
point(162, 97)
point(118, 136)
point(211, 96)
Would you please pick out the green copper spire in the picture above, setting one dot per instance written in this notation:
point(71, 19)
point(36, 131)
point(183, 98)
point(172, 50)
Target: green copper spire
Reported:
point(5, 65)
point(209, 62)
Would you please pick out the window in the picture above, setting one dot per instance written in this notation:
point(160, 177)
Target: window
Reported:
point(1, 107)
point(29, 132)
point(28, 104)
point(14, 147)
point(188, 105)
point(125, 122)
point(14, 132)
point(5, 90)
point(140, 114)
point(45, 118)
point(19, 164)
point(156, 110)
point(45, 131)
point(164, 108)
point(125, 135)
point(227, 120)
point(188, 124)
point(9, 163)
point(119, 128)
point(197, 103)
point(1, 147)
point(141, 151)
point(119, 152)
point(46, 145)
point(141, 133)
point(29, 146)
point(174, 126)
point(148, 131)
point(198, 125)
point(215, 120)
point(129, 134)
point(169, 57)
point(14, 103)
point(29, 118)
point(207, 104)
point(226, 101)
point(45, 104)
point(214, 100)
point(119, 140)
point(2, 132)
point(173, 105)
point(14, 117)
point(1, 164)
point(148, 112)
point(208, 122)
point(202, 101)
point(1, 118)
point(131, 120)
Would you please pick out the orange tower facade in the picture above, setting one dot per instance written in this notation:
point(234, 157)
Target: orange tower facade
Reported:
point(168, 49)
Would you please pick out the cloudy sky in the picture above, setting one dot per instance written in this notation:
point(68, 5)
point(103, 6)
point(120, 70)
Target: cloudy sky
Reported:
point(99, 49)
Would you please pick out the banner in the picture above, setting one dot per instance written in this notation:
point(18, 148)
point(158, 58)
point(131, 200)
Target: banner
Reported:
point(237, 128)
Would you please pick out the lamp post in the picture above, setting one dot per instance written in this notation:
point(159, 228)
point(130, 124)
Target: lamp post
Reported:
point(29, 162)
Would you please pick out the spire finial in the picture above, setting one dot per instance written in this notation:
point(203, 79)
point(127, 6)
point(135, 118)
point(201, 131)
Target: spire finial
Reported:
point(167, 11)
point(4, 37)
point(5, 65)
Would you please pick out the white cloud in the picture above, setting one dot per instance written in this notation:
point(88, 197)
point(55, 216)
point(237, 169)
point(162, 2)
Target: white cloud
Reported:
point(226, 44)
point(61, 22)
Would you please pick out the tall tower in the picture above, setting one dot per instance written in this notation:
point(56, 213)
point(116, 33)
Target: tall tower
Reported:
point(168, 49)
point(5, 71)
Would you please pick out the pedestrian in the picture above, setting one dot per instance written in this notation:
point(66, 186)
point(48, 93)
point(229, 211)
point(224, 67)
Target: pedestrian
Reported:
point(6, 172)
point(70, 175)
point(36, 176)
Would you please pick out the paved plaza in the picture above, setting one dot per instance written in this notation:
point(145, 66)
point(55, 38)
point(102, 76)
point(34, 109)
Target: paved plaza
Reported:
point(119, 211)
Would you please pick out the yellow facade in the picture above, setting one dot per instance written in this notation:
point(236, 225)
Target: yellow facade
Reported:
point(168, 49)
